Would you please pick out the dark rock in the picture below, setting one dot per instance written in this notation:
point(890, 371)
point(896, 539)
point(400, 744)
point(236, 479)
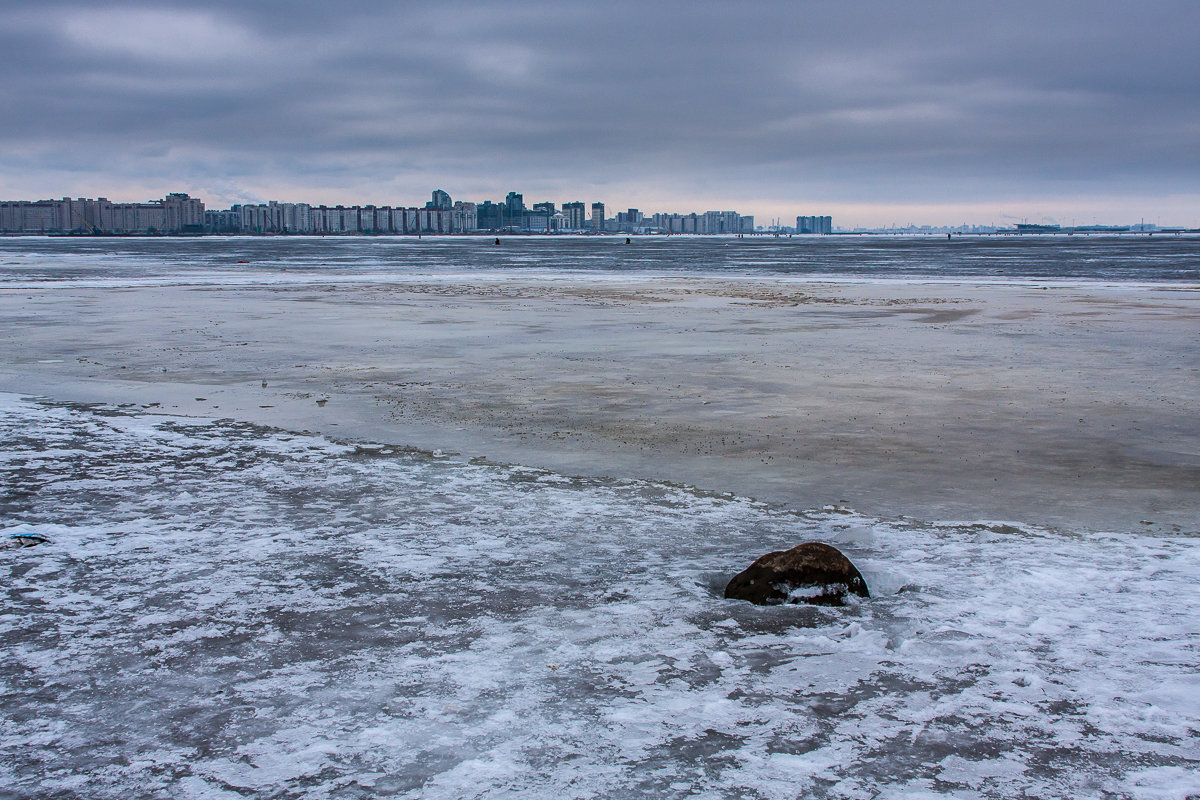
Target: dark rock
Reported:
point(812, 573)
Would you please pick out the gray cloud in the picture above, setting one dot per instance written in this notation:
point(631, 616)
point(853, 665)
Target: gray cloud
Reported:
point(761, 107)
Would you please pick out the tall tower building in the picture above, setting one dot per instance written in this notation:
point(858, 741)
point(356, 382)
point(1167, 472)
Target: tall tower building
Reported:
point(516, 205)
point(814, 224)
point(597, 217)
point(182, 213)
point(575, 214)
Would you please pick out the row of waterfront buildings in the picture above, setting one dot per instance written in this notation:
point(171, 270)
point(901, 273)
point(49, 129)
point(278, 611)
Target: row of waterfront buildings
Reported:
point(180, 214)
point(176, 213)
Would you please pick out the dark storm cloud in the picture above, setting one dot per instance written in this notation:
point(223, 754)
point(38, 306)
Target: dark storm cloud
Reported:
point(889, 102)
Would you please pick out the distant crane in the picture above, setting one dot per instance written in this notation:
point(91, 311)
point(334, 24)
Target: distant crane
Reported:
point(94, 231)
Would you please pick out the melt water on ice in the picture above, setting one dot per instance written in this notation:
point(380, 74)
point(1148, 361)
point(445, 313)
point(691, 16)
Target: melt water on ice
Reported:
point(227, 611)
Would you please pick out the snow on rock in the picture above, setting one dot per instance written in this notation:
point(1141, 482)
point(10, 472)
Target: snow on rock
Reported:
point(812, 572)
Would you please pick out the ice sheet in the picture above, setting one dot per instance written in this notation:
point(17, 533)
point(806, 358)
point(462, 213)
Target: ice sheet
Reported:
point(226, 610)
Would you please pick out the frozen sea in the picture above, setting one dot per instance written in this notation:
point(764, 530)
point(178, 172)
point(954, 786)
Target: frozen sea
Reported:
point(40, 261)
point(226, 610)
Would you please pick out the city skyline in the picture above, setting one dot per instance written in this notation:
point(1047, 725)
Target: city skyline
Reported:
point(180, 213)
point(879, 114)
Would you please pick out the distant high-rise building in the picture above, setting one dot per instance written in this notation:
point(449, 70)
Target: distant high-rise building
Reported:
point(183, 213)
point(491, 216)
point(575, 214)
point(629, 221)
point(537, 220)
point(668, 223)
point(814, 224)
point(516, 205)
point(546, 207)
point(718, 222)
point(467, 216)
point(598, 217)
point(440, 200)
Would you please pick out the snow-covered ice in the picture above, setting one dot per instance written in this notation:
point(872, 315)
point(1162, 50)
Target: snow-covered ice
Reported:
point(225, 610)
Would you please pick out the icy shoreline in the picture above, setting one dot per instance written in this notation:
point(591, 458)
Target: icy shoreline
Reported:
point(225, 609)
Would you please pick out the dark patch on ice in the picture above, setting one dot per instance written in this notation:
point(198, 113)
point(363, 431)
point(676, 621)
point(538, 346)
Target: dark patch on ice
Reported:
point(692, 760)
point(21, 540)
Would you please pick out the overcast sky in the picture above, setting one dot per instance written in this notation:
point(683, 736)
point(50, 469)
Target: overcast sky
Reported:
point(928, 112)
